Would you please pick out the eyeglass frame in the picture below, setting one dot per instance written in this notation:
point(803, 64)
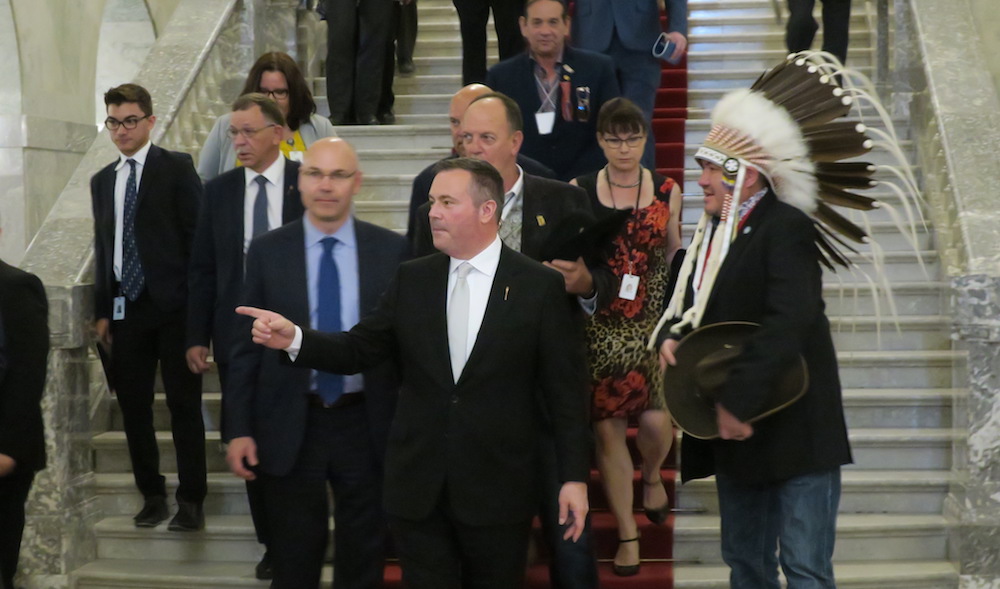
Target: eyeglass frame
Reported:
point(318, 175)
point(130, 122)
point(276, 94)
point(233, 132)
point(615, 142)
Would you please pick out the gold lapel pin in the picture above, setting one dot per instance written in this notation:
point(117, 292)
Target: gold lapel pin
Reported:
point(506, 290)
point(541, 220)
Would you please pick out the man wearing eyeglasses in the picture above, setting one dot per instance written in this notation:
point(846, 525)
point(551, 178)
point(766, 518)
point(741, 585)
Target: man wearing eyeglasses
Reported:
point(239, 205)
point(145, 207)
point(297, 431)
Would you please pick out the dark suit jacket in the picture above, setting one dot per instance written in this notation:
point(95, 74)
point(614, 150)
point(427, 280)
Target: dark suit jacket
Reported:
point(422, 187)
point(474, 440)
point(217, 259)
point(637, 23)
point(772, 276)
point(546, 203)
point(571, 149)
point(24, 314)
point(267, 400)
point(165, 218)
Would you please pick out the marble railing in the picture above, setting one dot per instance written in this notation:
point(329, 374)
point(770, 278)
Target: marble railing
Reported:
point(194, 70)
point(940, 76)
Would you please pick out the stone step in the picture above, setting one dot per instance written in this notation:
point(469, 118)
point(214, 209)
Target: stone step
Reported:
point(901, 448)
point(371, 137)
point(861, 537)
point(399, 161)
point(226, 538)
point(111, 452)
point(910, 298)
point(116, 493)
point(897, 265)
point(895, 369)
point(918, 408)
point(760, 58)
point(888, 333)
point(738, 19)
point(862, 492)
point(124, 574)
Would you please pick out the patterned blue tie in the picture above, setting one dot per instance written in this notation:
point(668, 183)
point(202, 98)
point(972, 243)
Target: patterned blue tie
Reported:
point(132, 277)
point(260, 208)
point(329, 386)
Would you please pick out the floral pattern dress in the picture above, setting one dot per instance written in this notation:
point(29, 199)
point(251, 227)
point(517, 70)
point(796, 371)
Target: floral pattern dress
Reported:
point(625, 377)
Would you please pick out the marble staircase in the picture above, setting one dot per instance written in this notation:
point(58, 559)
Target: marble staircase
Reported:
point(899, 372)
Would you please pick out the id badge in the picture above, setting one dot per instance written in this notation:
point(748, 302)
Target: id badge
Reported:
point(296, 156)
point(629, 287)
point(118, 309)
point(545, 121)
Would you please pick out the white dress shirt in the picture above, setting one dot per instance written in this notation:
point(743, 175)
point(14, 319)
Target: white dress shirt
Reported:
point(122, 171)
point(275, 175)
point(480, 280)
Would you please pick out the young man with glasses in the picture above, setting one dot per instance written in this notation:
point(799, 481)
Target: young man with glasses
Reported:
point(239, 205)
point(145, 206)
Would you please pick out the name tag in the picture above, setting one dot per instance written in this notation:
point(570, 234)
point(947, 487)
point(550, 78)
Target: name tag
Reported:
point(629, 287)
point(118, 309)
point(545, 121)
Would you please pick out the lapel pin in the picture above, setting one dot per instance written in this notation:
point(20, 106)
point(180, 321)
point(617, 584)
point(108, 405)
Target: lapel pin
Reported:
point(541, 220)
point(506, 290)
point(746, 230)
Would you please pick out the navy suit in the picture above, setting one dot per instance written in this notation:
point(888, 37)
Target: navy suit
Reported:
point(571, 149)
point(152, 331)
point(268, 401)
point(625, 30)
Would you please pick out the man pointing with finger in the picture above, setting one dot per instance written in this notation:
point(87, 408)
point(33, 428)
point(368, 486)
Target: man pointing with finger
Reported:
point(485, 343)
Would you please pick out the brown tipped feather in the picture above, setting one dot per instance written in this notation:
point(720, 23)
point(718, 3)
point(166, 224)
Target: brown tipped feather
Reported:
point(837, 222)
point(839, 197)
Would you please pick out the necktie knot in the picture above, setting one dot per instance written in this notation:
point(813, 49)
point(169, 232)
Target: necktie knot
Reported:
point(262, 181)
point(131, 162)
point(463, 270)
point(328, 243)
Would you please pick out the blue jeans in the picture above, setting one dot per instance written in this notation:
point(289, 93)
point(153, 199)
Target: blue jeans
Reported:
point(793, 523)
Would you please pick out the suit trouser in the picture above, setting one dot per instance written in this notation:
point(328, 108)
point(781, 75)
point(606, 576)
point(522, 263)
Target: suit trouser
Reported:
point(441, 552)
point(355, 55)
point(13, 493)
point(336, 450)
point(399, 45)
point(147, 336)
point(572, 565)
point(255, 495)
point(801, 27)
point(472, 16)
point(639, 78)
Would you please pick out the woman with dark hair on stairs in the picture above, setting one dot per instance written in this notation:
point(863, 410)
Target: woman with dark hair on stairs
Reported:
point(626, 379)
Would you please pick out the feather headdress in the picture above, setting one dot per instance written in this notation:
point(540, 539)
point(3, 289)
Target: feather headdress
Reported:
point(784, 127)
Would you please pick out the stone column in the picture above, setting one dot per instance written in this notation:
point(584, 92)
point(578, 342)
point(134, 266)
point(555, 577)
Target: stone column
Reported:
point(973, 505)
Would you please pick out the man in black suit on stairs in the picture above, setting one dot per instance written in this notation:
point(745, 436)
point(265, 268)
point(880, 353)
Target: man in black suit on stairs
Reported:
point(24, 347)
point(487, 346)
point(145, 209)
point(295, 431)
point(239, 205)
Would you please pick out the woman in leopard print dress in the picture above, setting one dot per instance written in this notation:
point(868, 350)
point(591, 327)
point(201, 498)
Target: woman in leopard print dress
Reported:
point(626, 378)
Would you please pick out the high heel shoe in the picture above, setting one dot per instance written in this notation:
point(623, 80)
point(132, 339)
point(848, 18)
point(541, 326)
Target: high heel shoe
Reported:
point(656, 515)
point(625, 570)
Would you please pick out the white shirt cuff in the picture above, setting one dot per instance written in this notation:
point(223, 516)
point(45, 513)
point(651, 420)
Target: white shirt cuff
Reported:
point(589, 305)
point(293, 348)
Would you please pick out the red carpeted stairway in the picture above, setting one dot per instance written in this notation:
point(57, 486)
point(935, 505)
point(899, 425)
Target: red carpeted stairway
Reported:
point(669, 117)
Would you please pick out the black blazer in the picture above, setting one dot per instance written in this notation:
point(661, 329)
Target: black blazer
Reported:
point(772, 276)
point(545, 203)
point(216, 273)
point(165, 218)
point(267, 399)
point(474, 440)
point(24, 312)
point(571, 149)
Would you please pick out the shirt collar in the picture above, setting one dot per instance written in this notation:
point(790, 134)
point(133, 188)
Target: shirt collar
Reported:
point(515, 193)
point(559, 59)
point(485, 261)
point(748, 205)
point(139, 156)
point(345, 235)
point(274, 173)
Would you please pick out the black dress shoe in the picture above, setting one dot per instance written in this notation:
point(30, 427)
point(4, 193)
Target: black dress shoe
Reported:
point(625, 570)
point(264, 570)
point(189, 518)
point(406, 66)
point(338, 121)
point(368, 120)
point(387, 118)
point(153, 512)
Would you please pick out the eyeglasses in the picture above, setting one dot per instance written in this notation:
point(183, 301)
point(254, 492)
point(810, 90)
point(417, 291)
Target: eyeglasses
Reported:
point(129, 123)
point(232, 132)
point(616, 142)
point(336, 176)
point(276, 94)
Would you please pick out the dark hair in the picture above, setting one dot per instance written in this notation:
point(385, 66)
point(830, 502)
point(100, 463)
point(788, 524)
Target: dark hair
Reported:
point(621, 115)
point(528, 3)
point(300, 100)
point(486, 183)
point(513, 111)
point(269, 108)
point(130, 93)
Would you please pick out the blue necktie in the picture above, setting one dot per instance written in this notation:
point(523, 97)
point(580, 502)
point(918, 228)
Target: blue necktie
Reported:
point(329, 386)
point(260, 208)
point(132, 277)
